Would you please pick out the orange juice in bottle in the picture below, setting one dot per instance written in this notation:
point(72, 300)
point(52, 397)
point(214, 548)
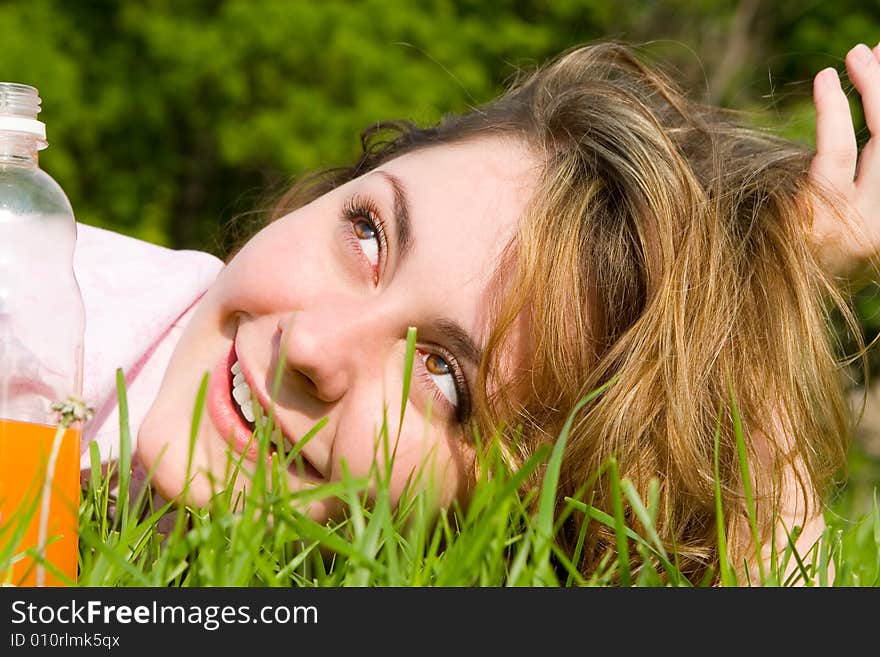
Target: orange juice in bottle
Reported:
point(41, 343)
point(29, 507)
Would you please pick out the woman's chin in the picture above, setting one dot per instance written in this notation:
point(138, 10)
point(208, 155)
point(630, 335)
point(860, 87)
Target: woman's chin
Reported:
point(164, 454)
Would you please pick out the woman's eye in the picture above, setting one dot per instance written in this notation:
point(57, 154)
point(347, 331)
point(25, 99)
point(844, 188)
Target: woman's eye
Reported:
point(442, 376)
point(368, 237)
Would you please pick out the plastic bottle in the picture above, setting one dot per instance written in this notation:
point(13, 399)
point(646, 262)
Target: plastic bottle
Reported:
point(41, 350)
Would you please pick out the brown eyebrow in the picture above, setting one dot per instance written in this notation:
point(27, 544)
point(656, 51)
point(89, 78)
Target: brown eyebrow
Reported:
point(403, 228)
point(460, 342)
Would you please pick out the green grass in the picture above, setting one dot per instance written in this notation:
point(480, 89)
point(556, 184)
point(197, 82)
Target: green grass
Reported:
point(503, 538)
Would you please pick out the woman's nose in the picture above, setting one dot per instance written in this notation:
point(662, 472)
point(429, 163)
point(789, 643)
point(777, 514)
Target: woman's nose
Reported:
point(326, 347)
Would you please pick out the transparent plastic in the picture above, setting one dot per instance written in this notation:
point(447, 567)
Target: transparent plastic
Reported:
point(41, 350)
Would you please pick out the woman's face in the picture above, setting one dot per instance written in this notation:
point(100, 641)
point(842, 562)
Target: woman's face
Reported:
point(334, 287)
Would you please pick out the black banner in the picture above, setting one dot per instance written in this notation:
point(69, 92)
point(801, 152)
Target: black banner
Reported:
point(148, 620)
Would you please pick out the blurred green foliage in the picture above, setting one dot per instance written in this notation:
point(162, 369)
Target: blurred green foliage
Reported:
point(168, 119)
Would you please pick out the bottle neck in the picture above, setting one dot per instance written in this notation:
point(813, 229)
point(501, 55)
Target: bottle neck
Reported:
point(19, 149)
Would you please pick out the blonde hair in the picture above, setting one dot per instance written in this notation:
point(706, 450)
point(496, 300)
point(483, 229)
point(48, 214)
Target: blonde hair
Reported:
point(667, 248)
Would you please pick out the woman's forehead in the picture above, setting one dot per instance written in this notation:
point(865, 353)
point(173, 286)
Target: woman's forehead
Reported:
point(469, 166)
point(463, 203)
point(465, 200)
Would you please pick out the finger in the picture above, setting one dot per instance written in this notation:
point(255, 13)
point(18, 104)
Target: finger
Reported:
point(836, 150)
point(864, 71)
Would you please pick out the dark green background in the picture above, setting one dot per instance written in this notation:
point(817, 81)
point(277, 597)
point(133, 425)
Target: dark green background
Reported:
point(171, 120)
point(166, 119)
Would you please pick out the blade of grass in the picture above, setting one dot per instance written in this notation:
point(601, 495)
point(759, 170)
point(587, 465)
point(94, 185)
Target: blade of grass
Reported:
point(124, 454)
point(547, 500)
point(746, 478)
point(647, 522)
point(194, 431)
point(461, 556)
point(723, 564)
point(801, 569)
point(619, 524)
point(407, 372)
point(875, 520)
point(579, 546)
point(824, 556)
point(610, 522)
point(520, 561)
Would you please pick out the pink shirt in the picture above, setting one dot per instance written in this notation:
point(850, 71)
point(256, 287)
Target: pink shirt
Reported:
point(138, 298)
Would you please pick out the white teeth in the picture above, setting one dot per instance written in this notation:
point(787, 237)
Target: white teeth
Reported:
point(247, 409)
point(241, 392)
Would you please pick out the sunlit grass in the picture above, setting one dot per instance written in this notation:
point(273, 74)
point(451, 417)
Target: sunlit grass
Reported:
point(505, 536)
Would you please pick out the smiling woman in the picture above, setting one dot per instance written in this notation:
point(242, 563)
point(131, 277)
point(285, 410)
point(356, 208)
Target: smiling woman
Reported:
point(590, 227)
point(334, 285)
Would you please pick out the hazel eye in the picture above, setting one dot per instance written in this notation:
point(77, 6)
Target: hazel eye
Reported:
point(364, 230)
point(436, 365)
point(368, 237)
point(442, 376)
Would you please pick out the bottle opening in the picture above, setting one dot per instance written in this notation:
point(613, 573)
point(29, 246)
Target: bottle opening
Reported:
point(19, 100)
point(19, 107)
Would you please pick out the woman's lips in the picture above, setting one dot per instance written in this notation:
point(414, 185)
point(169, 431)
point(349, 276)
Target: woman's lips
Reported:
point(223, 412)
point(231, 425)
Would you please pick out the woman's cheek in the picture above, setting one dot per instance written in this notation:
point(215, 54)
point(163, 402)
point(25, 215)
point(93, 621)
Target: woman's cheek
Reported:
point(284, 273)
point(434, 456)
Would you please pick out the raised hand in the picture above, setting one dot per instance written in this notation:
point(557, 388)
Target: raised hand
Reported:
point(848, 231)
